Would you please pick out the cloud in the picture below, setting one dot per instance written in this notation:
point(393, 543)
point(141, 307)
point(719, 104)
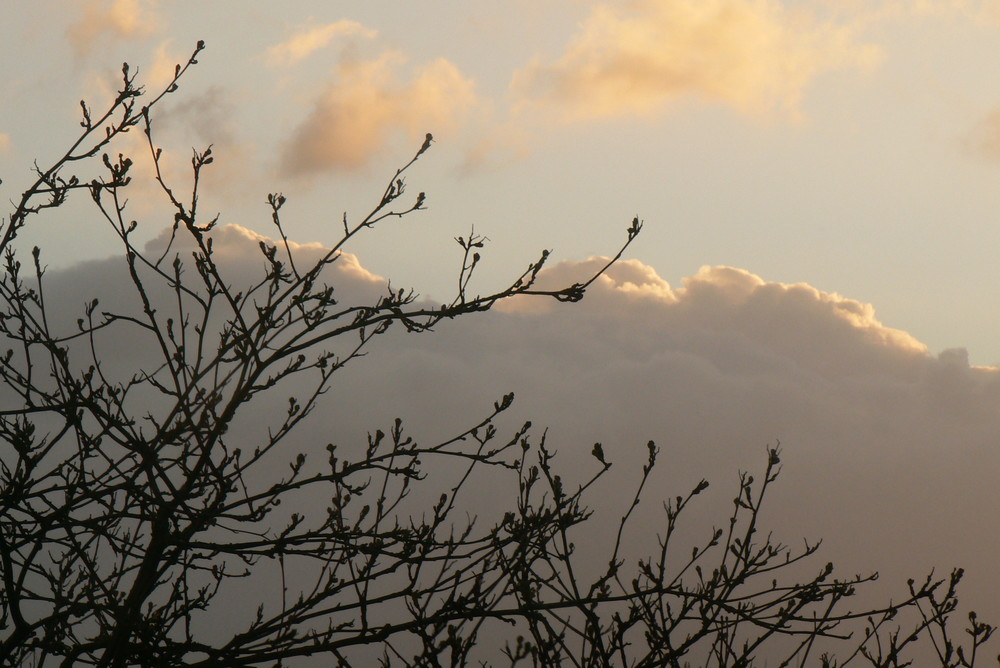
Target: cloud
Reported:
point(983, 140)
point(747, 301)
point(237, 250)
point(890, 453)
point(495, 146)
point(206, 115)
point(4, 142)
point(632, 59)
point(206, 118)
point(303, 43)
point(354, 117)
point(165, 61)
point(115, 18)
point(181, 124)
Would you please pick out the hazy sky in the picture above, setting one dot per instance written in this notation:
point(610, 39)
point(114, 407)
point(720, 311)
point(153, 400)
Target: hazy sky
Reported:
point(851, 145)
point(819, 181)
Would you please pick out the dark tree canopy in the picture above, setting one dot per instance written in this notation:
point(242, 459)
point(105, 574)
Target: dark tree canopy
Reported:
point(137, 518)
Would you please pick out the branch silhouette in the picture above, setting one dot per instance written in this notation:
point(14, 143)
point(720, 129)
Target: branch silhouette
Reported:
point(131, 518)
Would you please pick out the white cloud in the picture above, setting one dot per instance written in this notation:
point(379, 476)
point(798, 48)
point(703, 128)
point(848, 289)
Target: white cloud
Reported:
point(633, 58)
point(310, 39)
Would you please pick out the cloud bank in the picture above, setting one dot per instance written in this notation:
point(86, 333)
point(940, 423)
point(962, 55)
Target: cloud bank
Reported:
point(632, 59)
point(890, 453)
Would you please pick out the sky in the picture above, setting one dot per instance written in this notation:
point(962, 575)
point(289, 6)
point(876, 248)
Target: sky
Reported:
point(818, 181)
point(853, 146)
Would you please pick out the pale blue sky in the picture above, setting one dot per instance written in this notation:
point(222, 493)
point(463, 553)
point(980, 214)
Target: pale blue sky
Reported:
point(863, 168)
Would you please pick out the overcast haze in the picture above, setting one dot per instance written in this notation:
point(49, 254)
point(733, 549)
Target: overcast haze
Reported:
point(818, 266)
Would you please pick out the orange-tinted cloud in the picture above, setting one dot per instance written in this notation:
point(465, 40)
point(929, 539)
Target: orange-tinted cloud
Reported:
point(165, 60)
point(631, 59)
point(114, 18)
point(303, 43)
point(984, 139)
point(495, 145)
point(355, 115)
point(182, 123)
point(237, 250)
point(4, 142)
point(846, 324)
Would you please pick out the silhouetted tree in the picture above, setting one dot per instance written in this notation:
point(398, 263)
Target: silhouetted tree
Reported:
point(132, 521)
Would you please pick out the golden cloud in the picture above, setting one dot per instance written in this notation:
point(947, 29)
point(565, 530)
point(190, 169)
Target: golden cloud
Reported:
point(743, 299)
point(300, 45)
point(631, 59)
point(118, 18)
point(984, 139)
point(237, 247)
point(165, 60)
point(356, 114)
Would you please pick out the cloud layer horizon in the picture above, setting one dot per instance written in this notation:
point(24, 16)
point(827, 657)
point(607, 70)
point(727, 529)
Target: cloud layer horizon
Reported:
point(889, 452)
